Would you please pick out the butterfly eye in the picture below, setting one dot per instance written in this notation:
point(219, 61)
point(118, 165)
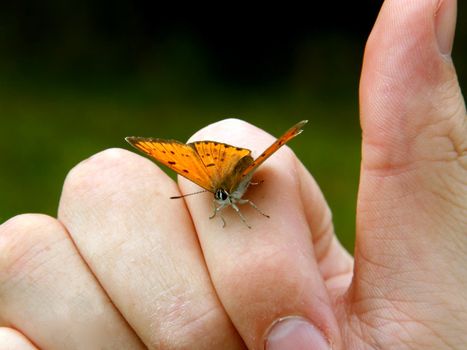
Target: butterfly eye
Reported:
point(221, 195)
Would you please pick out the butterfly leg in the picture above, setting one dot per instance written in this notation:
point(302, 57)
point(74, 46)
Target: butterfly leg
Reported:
point(218, 210)
point(223, 220)
point(240, 214)
point(243, 201)
point(214, 212)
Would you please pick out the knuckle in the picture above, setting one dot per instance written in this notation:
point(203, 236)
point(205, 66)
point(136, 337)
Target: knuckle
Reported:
point(84, 175)
point(184, 317)
point(263, 268)
point(113, 165)
point(21, 238)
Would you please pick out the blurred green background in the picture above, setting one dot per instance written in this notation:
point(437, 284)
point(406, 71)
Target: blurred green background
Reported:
point(79, 76)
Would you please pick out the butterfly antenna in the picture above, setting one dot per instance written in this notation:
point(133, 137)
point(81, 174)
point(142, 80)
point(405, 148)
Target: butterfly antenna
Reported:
point(188, 194)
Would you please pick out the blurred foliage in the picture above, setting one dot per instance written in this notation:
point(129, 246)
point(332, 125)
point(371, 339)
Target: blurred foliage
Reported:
point(78, 78)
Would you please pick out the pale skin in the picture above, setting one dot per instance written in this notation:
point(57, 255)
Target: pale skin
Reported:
point(124, 267)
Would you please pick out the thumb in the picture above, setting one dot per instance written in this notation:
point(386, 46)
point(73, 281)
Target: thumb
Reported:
point(412, 206)
point(409, 86)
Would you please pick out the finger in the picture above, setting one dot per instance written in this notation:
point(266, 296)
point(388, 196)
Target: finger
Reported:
point(141, 246)
point(269, 272)
point(11, 339)
point(414, 123)
point(412, 197)
point(414, 133)
point(334, 262)
point(48, 294)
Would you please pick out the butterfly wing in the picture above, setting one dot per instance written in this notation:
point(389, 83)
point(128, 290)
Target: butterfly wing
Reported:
point(180, 157)
point(288, 135)
point(209, 164)
point(221, 160)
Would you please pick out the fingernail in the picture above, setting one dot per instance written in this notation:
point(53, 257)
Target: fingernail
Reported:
point(295, 333)
point(445, 25)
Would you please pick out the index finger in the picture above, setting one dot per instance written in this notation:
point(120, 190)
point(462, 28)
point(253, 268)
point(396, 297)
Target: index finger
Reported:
point(268, 273)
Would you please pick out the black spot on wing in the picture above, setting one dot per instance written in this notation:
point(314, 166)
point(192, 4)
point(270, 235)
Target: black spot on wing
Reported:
point(210, 164)
point(172, 163)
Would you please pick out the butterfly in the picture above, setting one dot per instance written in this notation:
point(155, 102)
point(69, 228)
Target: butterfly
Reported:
point(222, 169)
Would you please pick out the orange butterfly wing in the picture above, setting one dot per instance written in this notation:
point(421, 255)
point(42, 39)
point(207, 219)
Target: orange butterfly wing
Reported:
point(209, 164)
point(206, 163)
point(221, 160)
point(178, 156)
point(288, 135)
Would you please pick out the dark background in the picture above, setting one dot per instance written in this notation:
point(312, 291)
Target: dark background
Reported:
point(79, 76)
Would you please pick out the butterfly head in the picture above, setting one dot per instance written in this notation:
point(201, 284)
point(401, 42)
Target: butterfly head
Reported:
point(222, 196)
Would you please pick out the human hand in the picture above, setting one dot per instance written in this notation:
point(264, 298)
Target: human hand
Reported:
point(124, 267)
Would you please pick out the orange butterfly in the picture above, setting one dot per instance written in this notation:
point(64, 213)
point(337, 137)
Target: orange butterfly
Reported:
point(217, 167)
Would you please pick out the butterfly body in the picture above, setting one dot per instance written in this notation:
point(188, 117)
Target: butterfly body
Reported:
point(220, 168)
